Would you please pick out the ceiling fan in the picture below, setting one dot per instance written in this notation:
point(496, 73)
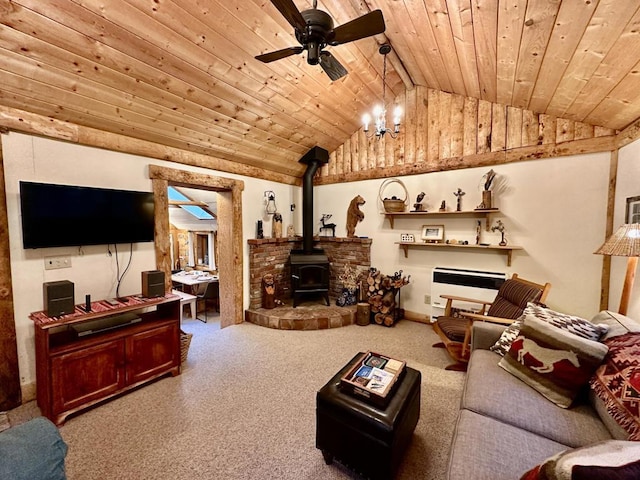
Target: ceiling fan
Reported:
point(314, 30)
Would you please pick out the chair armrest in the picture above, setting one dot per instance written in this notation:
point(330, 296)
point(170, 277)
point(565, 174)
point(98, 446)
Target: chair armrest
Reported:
point(464, 299)
point(484, 335)
point(487, 318)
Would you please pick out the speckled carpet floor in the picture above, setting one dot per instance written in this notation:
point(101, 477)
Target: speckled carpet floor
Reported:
point(244, 408)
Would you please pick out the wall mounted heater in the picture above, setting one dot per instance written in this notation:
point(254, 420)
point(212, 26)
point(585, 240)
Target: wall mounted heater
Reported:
point(462, 283)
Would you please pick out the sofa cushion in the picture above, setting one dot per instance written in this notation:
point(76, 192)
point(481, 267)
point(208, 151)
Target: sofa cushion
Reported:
point(32, 451)
point(491, 391)
point(553, 361)
point(618, 324)
point(617, 382)
point(612, 459)
point(483, 449)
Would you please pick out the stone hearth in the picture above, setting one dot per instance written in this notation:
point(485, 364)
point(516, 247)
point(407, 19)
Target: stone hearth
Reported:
point(308, 316)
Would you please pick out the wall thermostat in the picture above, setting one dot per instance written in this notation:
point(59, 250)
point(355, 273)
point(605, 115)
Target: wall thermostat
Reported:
point(407, 237)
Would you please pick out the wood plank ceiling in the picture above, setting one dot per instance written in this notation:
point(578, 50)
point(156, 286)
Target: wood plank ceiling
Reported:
point(182, 73)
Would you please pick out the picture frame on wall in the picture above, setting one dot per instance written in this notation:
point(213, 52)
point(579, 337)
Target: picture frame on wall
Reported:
point(432, 233)
point(632, 214)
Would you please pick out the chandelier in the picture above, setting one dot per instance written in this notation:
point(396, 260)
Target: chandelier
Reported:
point(379, 111)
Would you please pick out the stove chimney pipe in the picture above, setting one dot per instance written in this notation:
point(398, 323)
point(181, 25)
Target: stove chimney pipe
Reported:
point(314, 159)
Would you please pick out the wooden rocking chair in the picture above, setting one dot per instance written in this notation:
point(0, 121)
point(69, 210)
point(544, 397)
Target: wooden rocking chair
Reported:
point(510, 302)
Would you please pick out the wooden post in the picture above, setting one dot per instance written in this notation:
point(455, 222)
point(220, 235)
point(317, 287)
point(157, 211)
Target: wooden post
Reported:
point(632, 264)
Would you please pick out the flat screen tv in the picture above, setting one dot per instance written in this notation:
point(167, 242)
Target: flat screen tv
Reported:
point(68, 215)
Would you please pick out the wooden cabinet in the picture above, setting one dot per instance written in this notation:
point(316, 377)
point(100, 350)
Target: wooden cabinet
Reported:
point(486, 214)
point(74, 372)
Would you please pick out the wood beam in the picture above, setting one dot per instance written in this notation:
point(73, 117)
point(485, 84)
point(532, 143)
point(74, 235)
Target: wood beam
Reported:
point(10, 394)
point(21, 121)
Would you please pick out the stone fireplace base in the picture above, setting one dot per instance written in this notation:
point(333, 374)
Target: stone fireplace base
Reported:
point(271, 256)
point(312, 316)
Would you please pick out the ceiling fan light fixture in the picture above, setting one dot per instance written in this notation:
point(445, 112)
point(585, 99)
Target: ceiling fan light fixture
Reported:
point(314, 30)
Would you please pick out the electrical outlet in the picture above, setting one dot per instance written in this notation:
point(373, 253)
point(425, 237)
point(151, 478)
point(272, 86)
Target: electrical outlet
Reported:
point(53, 263)
point(427, 299)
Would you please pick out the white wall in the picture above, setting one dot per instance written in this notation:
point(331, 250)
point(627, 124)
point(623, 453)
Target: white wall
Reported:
point(93, 271)
point(554, 208)
point(628, 185)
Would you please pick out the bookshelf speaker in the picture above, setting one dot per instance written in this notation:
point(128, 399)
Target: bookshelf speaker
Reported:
point(153, 283)
point(58, 297)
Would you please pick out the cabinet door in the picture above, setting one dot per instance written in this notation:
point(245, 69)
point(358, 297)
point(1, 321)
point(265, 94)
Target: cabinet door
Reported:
point(152, 352)
point(89, 374)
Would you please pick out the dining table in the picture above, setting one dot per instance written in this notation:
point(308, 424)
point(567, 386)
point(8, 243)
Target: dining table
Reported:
point(193, 279)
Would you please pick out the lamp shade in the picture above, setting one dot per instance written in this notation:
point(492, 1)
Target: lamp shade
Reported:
point(624, 243)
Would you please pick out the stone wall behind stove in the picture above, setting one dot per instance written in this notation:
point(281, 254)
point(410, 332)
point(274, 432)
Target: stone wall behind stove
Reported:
point(271, 255)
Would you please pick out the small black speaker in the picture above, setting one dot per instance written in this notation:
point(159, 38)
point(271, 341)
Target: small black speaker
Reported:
point(58, 297)
point(153, 283)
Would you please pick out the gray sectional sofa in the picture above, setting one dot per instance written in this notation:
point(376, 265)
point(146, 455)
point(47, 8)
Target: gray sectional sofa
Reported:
point(506, 428)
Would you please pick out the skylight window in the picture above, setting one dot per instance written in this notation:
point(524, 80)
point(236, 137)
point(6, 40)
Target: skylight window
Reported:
point(194, 210)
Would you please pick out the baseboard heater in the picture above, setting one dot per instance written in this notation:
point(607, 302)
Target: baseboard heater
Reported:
point(474, 284)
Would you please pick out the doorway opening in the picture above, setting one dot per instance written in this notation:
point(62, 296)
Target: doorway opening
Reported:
point(229, 235)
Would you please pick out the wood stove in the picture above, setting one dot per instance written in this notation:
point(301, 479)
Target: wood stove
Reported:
point(309, 275)
point(309, 266)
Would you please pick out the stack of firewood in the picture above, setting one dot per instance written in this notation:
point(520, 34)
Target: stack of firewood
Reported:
point(381, 291)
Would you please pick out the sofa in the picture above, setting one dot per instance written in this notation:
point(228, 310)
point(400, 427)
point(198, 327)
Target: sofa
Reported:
point(507, 430)
point(33, 450)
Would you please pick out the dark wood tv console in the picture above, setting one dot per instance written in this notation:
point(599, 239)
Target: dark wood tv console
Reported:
point(74, 372)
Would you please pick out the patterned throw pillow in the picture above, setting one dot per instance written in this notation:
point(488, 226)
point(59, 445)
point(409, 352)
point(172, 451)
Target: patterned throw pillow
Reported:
point(502, 346)
point(576, 325)
point(617, 382)
point(553, 361)
point(610, 459)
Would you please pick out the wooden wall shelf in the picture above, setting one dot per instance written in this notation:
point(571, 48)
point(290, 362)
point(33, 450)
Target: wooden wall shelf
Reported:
point(467, 213)
point(508, 250)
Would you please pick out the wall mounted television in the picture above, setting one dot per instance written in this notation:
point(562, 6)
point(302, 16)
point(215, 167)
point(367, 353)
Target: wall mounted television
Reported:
point(67, 215)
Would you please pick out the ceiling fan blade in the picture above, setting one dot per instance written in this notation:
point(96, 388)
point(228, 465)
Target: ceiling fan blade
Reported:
point(279, 54)
point(365, 26)
point(291, 13)
point(332, 66)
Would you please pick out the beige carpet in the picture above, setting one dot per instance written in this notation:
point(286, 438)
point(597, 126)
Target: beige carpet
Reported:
point(244, 408)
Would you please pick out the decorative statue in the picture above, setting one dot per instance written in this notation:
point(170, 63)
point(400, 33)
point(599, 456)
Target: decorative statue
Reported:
point(327, 226)
point(478, 230)
point(417, 207)
point(499, 226)
point(354, 215)
point(487, 179)
point(291, 232)
point(443, 206)
point(459, 194)
point(276, 225)
point(268, 291)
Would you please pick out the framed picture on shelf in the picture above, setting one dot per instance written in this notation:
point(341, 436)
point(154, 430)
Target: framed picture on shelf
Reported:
point(632, 214)
point(433, 233)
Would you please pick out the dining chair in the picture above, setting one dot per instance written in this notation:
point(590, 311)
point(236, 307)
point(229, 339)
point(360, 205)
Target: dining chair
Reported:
point(209, 293)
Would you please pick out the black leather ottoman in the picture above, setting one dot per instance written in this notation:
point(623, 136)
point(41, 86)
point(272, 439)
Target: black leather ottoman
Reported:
point(368, 440)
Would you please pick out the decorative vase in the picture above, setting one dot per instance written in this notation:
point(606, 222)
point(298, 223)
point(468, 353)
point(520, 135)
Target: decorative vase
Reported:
point(486, 199)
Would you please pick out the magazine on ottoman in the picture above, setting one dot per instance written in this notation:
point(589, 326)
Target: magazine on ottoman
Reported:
point(373, 378)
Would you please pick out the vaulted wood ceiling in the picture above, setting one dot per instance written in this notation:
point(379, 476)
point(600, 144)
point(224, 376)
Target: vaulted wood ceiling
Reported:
point(182, 73)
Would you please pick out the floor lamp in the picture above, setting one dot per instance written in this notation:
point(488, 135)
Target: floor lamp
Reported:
point(624, 243)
